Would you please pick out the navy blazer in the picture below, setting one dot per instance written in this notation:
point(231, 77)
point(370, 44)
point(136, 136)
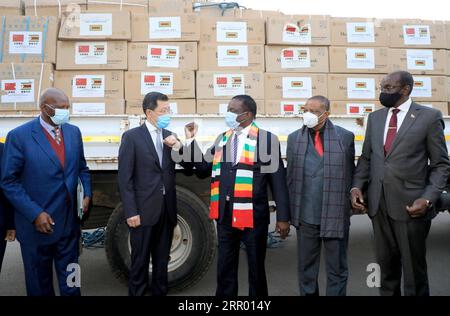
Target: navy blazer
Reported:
point(34, 180)
point(6, 211)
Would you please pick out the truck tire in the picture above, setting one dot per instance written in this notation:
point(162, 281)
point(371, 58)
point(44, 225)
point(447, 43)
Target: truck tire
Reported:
point(193, 246)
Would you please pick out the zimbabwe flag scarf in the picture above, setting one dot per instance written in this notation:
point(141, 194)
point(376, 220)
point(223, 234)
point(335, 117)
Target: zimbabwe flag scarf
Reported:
point(243, 186)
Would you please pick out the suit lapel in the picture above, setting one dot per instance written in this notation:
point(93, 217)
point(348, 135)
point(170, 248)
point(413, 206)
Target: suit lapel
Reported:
point(67, 136)
point(41, 139)
point(149, 141)
point(378, 131)
point(166, 149)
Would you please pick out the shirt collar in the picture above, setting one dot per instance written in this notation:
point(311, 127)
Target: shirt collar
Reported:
point(49, 128)
point(404, 107)
point(150, 126)
point(244, 131)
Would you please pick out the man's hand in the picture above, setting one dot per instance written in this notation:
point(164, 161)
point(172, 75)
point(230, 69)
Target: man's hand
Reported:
point(171, 141)
point(134, 221)
point(44, 223)
point(190, 130)
point(86, 202)
point(418, 209)
point(358, 200)
point(10, 235)
point(283, 229)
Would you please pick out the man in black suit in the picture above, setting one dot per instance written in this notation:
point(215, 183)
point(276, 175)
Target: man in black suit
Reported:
point(7, 232)
point(240, 202)
point(147, 189)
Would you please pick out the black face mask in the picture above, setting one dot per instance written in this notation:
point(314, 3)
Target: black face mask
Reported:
point(389, 100)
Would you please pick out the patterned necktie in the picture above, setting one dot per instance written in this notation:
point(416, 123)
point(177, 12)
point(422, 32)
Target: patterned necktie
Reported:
point(318, 144)
point(57, 132)
point(159, 146)
point(235, 148)
point(392, 132)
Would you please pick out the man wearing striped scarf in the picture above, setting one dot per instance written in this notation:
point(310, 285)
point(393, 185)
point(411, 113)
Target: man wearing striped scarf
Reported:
point(243, 163)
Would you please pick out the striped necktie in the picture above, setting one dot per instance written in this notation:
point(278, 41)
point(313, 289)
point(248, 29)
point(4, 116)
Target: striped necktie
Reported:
point(57, 132)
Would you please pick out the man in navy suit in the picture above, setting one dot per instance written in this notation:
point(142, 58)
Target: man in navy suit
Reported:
point(42, 162)
point(6, 219)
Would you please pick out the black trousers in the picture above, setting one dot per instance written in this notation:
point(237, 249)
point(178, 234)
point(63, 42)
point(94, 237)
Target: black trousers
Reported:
point(2, 245)
point(309, 245)
point(154, 241)
point(401, 246)
point(255, 241)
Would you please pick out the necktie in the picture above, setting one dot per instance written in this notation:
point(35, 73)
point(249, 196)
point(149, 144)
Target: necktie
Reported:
point(318, 144)
point(235, 148)
point(392, 132)
point(57, 132)
point(159, 146)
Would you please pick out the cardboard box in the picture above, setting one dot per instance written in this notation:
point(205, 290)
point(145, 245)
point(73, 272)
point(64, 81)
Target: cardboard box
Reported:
point(430, 88)
point(441, 106)
point(232, 30)
point(298, 86)
point(93, 25)
point(132, 6)
point(29, 39)
point(164, 28)
point(98, 107)
point(22, 84)
point(418, 34)
point(172, 7)
point(219, 85)
point(56, 8)
point(220, 106)
point(354, 87)
point(231, 57)
point(297, 59)
point(10, 7)
point(359, 32)
point(256, 14)
point(176, 84)
point(359, 60)
point(177, 106)
point(162, 56)
point(111, 55)
point(354, 107)
point(285, 107)
point(447, 31)
point(419, 61)
point(90, 85)
point(298, 30)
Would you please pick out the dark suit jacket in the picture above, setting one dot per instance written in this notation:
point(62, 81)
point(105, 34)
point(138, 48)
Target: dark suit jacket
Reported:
point(263, 175)
point(6, 210)
point(141, 177)
point(416, 167)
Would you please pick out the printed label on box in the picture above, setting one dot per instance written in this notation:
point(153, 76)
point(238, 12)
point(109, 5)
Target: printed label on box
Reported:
point(422, 88)
point(163, 56)
point(295, 57)
point(94, 24)
point(361, 32)
point(292, 107)
point(25, 42)
point(235, 32)
point(232, 56)
point(419, 59)
point(360, 108)
point(91, 53)
point(164, 27)
point(88, 86)
point(297, 87)
point(360, 58)
point(173, 108)
point(416, 35)
point(296, 33)
point(361, 88)
point(17, 91)
point(229, 84)
point(88, 108)
point(157, 82)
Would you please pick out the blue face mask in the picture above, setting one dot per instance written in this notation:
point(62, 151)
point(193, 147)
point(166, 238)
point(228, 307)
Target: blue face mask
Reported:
point(231, 120)
point(61, 116)
point(163, 121)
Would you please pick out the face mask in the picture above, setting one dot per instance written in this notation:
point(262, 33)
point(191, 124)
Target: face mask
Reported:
point(163, 121)
point(389, 100)
point(61, 116)
point(231, 120)
point(311, 120)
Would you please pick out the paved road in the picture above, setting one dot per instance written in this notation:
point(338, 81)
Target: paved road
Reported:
point(280, 264)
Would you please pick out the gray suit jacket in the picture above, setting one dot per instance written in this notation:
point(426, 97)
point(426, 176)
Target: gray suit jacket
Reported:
point(416, 167)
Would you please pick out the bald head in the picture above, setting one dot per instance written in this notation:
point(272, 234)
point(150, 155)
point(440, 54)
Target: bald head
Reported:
point(51, 99)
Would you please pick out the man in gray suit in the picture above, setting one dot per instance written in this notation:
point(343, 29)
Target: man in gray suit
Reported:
point(405, 164)
point(320, 165)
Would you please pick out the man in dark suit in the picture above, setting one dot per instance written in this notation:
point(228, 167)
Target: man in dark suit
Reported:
point(405, 164)
point(42, 163)
point(246, 161)
point(320, 165)
point(147, 189)
point(7, 230)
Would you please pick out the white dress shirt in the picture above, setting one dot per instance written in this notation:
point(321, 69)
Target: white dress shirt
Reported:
point(241, 135)
point(154, 132)
point(49, 128)
point(404, 108)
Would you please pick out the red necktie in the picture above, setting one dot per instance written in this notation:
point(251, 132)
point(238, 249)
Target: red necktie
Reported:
point(392, 132)
point(318, 144)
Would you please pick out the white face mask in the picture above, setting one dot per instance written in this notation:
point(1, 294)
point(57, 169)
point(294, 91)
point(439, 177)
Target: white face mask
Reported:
point(311, 120)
